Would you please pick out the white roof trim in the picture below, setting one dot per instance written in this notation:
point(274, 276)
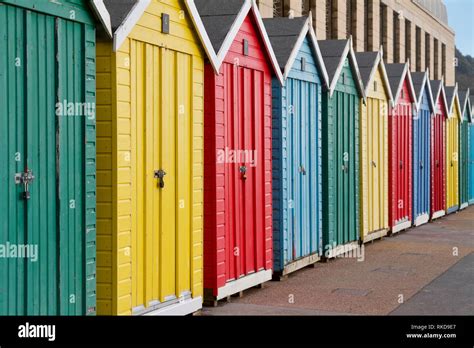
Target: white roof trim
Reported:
point(218, 58)
point(234, 30)
point(319, 56)
point(443, 94)
point(266, 40)
point(350, 55)
point(196, 18)
point(129, 23)
point(430, 94)
point(104, 17)
point(454, 100)
point(379, 63)
point(295, 51)
point(406, 73)
point(307, 30)
point(467, 105)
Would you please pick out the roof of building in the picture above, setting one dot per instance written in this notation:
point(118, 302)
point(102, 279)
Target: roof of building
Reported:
point(119, 10)
point(218, 18)
point(284, 33)
point(420, 82)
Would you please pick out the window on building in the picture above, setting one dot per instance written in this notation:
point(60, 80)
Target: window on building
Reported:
point(278, 8)
point(367, 26)
point(443, 60)
point(408, 47)
point(383, 28)
point(436, 59)
point(328, 19)
point(427, 51)
point(418, 49)
point(349, 17)
point(396, 37)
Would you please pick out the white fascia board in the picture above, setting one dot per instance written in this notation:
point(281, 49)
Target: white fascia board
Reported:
point(129, 23)
point(266, 40)
point(202, 33)
point(320, 61)
point(104, 17)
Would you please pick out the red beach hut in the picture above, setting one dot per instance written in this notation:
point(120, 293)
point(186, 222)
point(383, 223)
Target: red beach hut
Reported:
point(438, 150)
point(400, 146)
point(237, 146)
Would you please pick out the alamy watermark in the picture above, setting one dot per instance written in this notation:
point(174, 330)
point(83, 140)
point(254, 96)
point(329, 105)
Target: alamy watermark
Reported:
point(228, 155)
point(19, 251)
point(71, 109)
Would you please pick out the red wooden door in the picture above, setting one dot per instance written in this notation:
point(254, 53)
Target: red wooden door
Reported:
point(401, 163)
point(244, 220)
point(437, 163)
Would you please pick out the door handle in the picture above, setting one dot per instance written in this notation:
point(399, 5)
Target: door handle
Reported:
point(160, 175)
point(345, 168)
point(302, 170)
point(401, 164)
point(25, 179)
point(422, 165)
point(243, 171)
point(437, 163)
point(374, 164)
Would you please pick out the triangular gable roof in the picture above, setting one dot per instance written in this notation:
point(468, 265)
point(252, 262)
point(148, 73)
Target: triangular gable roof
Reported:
point(471, 102)
point(420, 82)
point(287, 35)
point(466, 104)
point(124, 15)
point(437, 86)
point(218, 23)
point(368, 63)
point(453, 99)
point(334, 53)
point(397, 73)
point(103, 15)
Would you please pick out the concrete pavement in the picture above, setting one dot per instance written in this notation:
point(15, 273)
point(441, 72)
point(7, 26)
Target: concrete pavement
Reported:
point(425, 270)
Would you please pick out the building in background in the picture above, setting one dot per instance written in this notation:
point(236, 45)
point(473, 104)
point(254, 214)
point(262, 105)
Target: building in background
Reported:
point(408, 29)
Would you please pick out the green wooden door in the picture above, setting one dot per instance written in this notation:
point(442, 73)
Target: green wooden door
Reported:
point(44, 145)
point(463, 163)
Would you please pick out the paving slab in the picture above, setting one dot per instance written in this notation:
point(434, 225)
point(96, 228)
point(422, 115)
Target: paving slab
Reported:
point(452, 293)
point(392, 271)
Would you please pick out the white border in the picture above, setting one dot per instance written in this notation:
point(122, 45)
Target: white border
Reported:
point(454, 100)
point(130, 21)
point(181, 308)
point(467, 104)
point(424, 83)
point(307, 30)
point(438, 214)
point(402, 226)
point(379, 62)
point(421, 219)
point(218, 58)
point(101, 12)
point(348, 53)
point(206, 42)
point(244, 283)
point(405, 73)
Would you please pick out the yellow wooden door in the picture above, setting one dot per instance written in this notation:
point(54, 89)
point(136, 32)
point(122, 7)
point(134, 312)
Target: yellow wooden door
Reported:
point(161, 105)
point(452, 164)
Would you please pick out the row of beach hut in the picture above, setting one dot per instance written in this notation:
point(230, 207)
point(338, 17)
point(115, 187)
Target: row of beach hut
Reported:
point(224, 150)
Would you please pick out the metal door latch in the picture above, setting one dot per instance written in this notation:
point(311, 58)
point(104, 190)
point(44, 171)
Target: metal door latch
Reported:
point(401, 164)
point(437, 163)
point(25, 179)
point(345, 168)
point(302, 170)
point(374, 164)
point(243, 171)
point(160, 175)
point(422, 165)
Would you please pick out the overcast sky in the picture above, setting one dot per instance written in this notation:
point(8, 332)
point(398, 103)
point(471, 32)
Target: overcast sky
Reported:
point(461, 19)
